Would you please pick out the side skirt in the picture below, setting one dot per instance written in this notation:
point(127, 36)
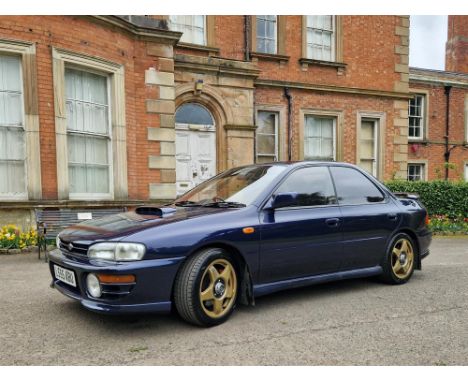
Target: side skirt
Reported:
point(263, 289)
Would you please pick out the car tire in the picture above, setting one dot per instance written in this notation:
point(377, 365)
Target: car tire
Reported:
point(206, 288)
point(400, 260)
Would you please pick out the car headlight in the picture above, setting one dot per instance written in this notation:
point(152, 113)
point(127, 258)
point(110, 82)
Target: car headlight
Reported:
point(117, 251)
point(57, 242)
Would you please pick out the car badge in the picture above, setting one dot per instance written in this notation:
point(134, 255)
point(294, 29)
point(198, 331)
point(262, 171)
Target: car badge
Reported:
point(70, 246)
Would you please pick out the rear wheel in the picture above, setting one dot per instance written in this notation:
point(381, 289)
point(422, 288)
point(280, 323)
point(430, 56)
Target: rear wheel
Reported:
point(399, 263)
point(206, 288)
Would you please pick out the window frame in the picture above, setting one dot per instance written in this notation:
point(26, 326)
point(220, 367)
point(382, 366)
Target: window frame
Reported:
point(23, 195)
point(26, 51)
point(118, 147)
point(275, 35)
point(422, 171)
point(277, 118)
point(334, 135)
point(375, 139)
point(423, 117)
point(264, 204)
point(333, 50)
point(380, 119)
point(369, 178)
point(466, 118)
point(108, 137)
point(280, 30)
point(205, 29)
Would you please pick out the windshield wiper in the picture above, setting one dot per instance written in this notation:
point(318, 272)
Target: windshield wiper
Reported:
point(186, 203)
point(224, 204)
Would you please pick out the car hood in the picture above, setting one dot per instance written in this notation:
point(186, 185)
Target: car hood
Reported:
point(115, 227)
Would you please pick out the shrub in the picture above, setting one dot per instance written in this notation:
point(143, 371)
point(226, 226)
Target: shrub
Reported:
point(439, 197)
point(11, 237)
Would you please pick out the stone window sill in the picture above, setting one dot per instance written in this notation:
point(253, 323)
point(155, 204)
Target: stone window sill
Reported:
point(201, 48)
point(423, 141)
point(306, 62)
point(269, 57)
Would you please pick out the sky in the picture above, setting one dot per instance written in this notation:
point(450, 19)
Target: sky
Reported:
point(428, 35)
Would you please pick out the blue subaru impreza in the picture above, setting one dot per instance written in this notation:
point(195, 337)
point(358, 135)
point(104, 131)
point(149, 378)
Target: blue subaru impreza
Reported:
point(245, 233)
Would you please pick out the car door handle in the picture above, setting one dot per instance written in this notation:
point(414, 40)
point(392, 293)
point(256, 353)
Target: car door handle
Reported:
point(392, 217)
point(333, 222)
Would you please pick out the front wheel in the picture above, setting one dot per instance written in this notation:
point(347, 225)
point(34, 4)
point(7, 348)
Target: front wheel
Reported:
point(206, 288)
point(398, 266)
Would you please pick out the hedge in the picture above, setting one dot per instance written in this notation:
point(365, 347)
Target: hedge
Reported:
point(439, 197)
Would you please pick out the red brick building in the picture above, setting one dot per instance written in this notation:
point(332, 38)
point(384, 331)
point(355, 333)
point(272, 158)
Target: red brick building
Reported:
point(437, 144)
point(438, 113)
point(106, 110)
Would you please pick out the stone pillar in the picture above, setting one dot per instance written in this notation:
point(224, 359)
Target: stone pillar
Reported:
point(162, 78)
point(400, 107)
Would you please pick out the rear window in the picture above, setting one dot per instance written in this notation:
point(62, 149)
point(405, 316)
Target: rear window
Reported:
point(352, 187)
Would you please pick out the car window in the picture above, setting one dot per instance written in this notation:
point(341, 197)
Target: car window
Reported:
point(352, 187)
point(313, 186)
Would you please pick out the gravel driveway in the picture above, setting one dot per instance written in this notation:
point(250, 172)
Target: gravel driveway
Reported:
point(344, 323)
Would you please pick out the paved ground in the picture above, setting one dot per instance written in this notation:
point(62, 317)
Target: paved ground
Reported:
point(351, 322)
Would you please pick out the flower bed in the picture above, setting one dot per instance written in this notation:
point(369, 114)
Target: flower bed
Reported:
point(12, 240)
point(443, 225)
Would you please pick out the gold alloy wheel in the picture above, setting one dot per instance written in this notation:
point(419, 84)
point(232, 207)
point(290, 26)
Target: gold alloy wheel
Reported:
point(402, 258)
point(218, 288)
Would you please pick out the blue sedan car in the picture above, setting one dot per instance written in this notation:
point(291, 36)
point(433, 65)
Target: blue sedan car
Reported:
point(245, 233)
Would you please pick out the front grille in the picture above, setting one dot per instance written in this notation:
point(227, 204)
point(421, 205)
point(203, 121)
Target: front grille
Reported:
point(77, 248)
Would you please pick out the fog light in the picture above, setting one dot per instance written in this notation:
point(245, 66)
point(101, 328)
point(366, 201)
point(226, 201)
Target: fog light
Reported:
point(94, 288)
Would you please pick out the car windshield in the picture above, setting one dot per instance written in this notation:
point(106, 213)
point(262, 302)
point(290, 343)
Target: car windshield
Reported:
point(237, 186)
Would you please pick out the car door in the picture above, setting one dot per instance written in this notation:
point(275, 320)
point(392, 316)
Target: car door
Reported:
point(369, 218)
point(302, 239)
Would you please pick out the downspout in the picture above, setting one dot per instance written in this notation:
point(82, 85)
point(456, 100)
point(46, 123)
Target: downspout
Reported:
point(247, 38)
point(288, 96)
point(447, 127)
point(247, 58)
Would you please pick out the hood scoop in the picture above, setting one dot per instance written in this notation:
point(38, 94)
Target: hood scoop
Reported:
point(159, 212)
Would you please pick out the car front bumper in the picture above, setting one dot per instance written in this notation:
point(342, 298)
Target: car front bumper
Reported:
point(151, 291)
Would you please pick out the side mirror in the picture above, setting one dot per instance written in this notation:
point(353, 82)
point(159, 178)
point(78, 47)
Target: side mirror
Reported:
point(286, 199)
point(375, 199)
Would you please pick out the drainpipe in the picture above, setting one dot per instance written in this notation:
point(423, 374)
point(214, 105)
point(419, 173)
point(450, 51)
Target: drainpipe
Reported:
point(447, 120)
point(246, 38)
point(288, 96)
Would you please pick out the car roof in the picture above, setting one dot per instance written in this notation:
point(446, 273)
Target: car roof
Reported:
point(301, 163)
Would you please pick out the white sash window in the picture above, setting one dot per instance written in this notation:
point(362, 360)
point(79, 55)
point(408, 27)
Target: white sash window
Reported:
point(12, 140)
point(267, 34)
point(319, 138)
point(321, 38)
point(89, 133)
point(416, 117)
point(192, 27)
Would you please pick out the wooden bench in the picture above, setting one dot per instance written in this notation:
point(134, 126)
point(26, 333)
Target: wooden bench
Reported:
point(51, 221)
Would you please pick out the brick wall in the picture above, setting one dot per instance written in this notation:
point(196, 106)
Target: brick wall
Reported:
point(81, 35)
point(348, 105)
point(456, 57)
point(433, 148)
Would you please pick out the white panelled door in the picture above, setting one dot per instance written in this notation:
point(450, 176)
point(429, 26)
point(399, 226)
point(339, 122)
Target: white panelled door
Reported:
point(195, 155)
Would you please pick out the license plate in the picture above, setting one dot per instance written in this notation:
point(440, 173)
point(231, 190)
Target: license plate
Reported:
point(65, 275)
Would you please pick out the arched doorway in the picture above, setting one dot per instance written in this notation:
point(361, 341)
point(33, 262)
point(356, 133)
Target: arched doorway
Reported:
point(195, 146)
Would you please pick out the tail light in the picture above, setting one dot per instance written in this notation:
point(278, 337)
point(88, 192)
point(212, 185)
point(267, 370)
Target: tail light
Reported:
point(427, 221)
